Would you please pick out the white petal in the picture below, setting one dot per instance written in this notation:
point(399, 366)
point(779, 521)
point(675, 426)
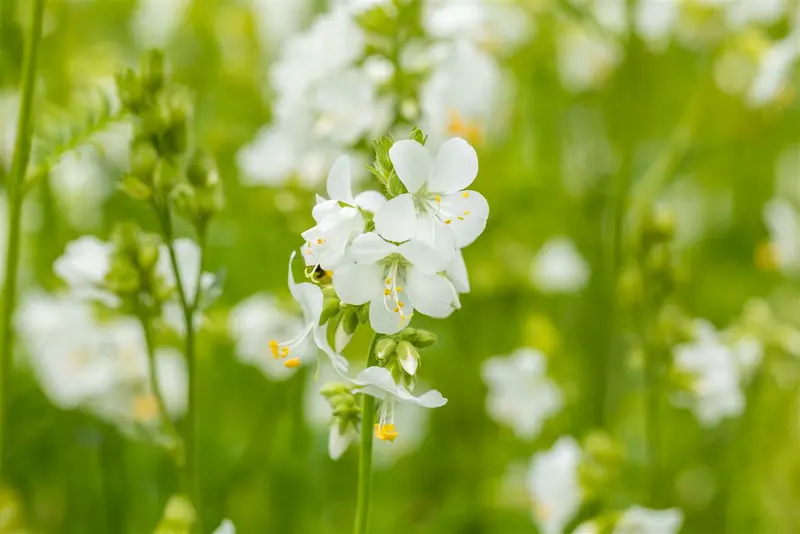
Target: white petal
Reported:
point(339, 178)
point(409, 363)
point(309, 296)
point(456, 167)
point(326, 208)
point(431, 399)
point(338, 442)
point(376, 381)
point(341, 338)
point(370, 201)
point(412, 163)
point(358, 283)
point(429, 258)
point(467, 212)
point(339, 362)
point(370, 248)
point(397, 220)
point(431, 294)
point(226, 527)
point(457, 273)
point(383, 318)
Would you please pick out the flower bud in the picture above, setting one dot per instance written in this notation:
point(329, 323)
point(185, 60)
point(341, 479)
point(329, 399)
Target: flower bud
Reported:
point(129, 88)
point(408, 357)
point(144, 158)
point(202, 170)
point(179, 516)
point(135, 188)
point(166, 176)
point(329, 389)
point(349, 321)
point(330, 308)
point(601, 463)
point(125, 238)
point(363, 313)
point(424, 339)
point(148, 251)
point(408, 333)
point(385, 348)
point(333, 326)
point(153, 71)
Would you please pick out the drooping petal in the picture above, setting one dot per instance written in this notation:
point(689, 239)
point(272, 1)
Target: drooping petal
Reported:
point(456, 271)
point(358, 283)
point(412, 163)
point(430, 294)
point(338, 441)
point(466, 212)
point(323, 210)
point(429, 399)
point(309, 296)
point(383, 318)
point(376, 381)
point(456, 167)
point(397, 220)
point(339, 362)
point(370, 248)
point(370, 201)
point(339, 180)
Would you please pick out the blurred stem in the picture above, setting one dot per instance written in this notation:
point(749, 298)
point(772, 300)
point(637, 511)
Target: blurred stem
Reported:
point(191, 440)
point(19, 165)
point(365, 458)
point(163, 414)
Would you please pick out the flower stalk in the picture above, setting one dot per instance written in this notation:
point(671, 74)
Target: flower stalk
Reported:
point(14, 183)
point(364, 497)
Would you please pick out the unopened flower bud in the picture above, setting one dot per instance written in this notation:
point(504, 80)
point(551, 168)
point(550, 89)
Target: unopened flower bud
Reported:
point(330, 308)
point(125, 238)
point(424, 339)
point(202, 170)
point(408, 357)
point(363, 313)
point(148, 251)
point(135, 188)
point(166, 176)
point(153, 71)
point(350, 321)
point(129, 89)
point(385, 348)
point(329, 389)
point(144, 158)
point(408, 333)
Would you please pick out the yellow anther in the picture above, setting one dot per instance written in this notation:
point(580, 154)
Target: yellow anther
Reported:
point(328, 273)
point(438, 199)
point(385, 432)
point(399, 289)
point(284, 352)
point(465, 194)
point(145, 407)
point(469, 130)
point(460, 218)
point(466, 213)
point(387, 291)
point(273, 346)
point(396, 309)
point(401, 304)
point(388, 281)
point(320, 241)
point(309, 251)
point(448, 221)
point(291, 363)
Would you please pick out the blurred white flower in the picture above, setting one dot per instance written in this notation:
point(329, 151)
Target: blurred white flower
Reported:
point(640, 520)
point(80, 184)
point(436, 208)
point(717, 370)
point(252, 324)
point(775, 69)
point(783, 223)
point(155, 22)
point(379, 383)
point(554, 486)
point(382, 272)
point(586, 57)
point(226, 527)
point(464, 95)
point(492, 25)
point(655, 20)
point(520, 393)
point(276, 21)
point(559, 268)
point(84, 267)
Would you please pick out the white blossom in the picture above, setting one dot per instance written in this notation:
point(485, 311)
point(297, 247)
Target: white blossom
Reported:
point(155, 22)
point(559, 268)
point(226, 527)
point(84, 266)
point(640, 520)
point(554, 486)
point(783, 223)
point(492, 25)
point(520, 393)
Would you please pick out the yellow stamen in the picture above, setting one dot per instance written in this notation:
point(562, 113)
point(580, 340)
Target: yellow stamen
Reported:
point(284, 352)
point(385, 432)
point(399, 289)
point(448, 221)
point(466, 213)
point(329, 273)
point(387, 291)
point(465, 194)
point(320, 241)
point(388, 281)
point(396, 309)
point(291, 363)
point(469, 130)
point(401, 304)
point(273, 346)
point(438, 199)
point(460, 218)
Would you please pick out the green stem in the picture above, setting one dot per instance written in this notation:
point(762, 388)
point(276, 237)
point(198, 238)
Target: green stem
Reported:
point(365, 459)
point(19, 165)
point(191, 439)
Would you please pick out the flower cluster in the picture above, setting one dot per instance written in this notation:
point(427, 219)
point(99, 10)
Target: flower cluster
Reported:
point(375, 260)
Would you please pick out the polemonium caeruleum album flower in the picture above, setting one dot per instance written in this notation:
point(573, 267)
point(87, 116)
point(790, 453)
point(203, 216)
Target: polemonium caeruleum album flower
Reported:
point(559, 268)
point(554, 485)
point(520, 393)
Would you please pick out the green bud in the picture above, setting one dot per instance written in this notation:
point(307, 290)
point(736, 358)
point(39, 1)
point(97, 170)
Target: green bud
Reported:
point(144, 159)
point(148, 251)
point(408, 333)
point(329, 389)
point(129, 89)
point(176, 139)
point(166, 176)
point(125, 238)
point(630, 286)
point(153, 71)
point(330, 307)
point(424, 339)
point(123, 277)
point(408, 357)
point(135, 188)
point(328, 292)
point(350, 321)
point(385, 348)
point(179, 516)
point(202, 170)
point(333, 325)
point(363, 313)
point(379, 19)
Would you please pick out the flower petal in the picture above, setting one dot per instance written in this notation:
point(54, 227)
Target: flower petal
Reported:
point(431, 294)
point(467, 213)
point(339, 362)
point(412, 163)
point(370, 248)
point(397, 220)
point(309, 296)
point(456, 271)
point(433, 246)
point(376, 381)
point(383, 318)
point(370, 201)
point(323, 210)
point(358, 283)
point(339, 179)
point(338, 442)
point(456, 167)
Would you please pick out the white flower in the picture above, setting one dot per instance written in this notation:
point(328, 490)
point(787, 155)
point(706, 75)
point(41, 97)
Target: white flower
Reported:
point(717, 371)
point(553, 485)
point(436, 208)
point(783, 223)
point(520, 394)
point(464, 95)
point(775, 69)
point(493, 25)
point(79, 181)
point(559, 268)
point(309, 296)
point(585, 57)
point(226, 527)
point(378, 382)
point(339, 441)
point(655, 20)
point(640, 520)
point(155, 22)
point(252, 324)
point(84, 267)
point(382, 273)
point(337, 225)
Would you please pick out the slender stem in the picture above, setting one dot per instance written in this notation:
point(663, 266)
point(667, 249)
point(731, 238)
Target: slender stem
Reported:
point(191, 439)
point(166, 421)
point(19, 165)
point(365, 458)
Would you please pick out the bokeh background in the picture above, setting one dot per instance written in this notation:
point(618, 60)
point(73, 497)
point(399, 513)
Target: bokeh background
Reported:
point(683, 111)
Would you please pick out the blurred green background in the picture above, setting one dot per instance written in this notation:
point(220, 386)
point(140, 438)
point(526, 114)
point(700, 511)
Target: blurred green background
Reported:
point(565, 162)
